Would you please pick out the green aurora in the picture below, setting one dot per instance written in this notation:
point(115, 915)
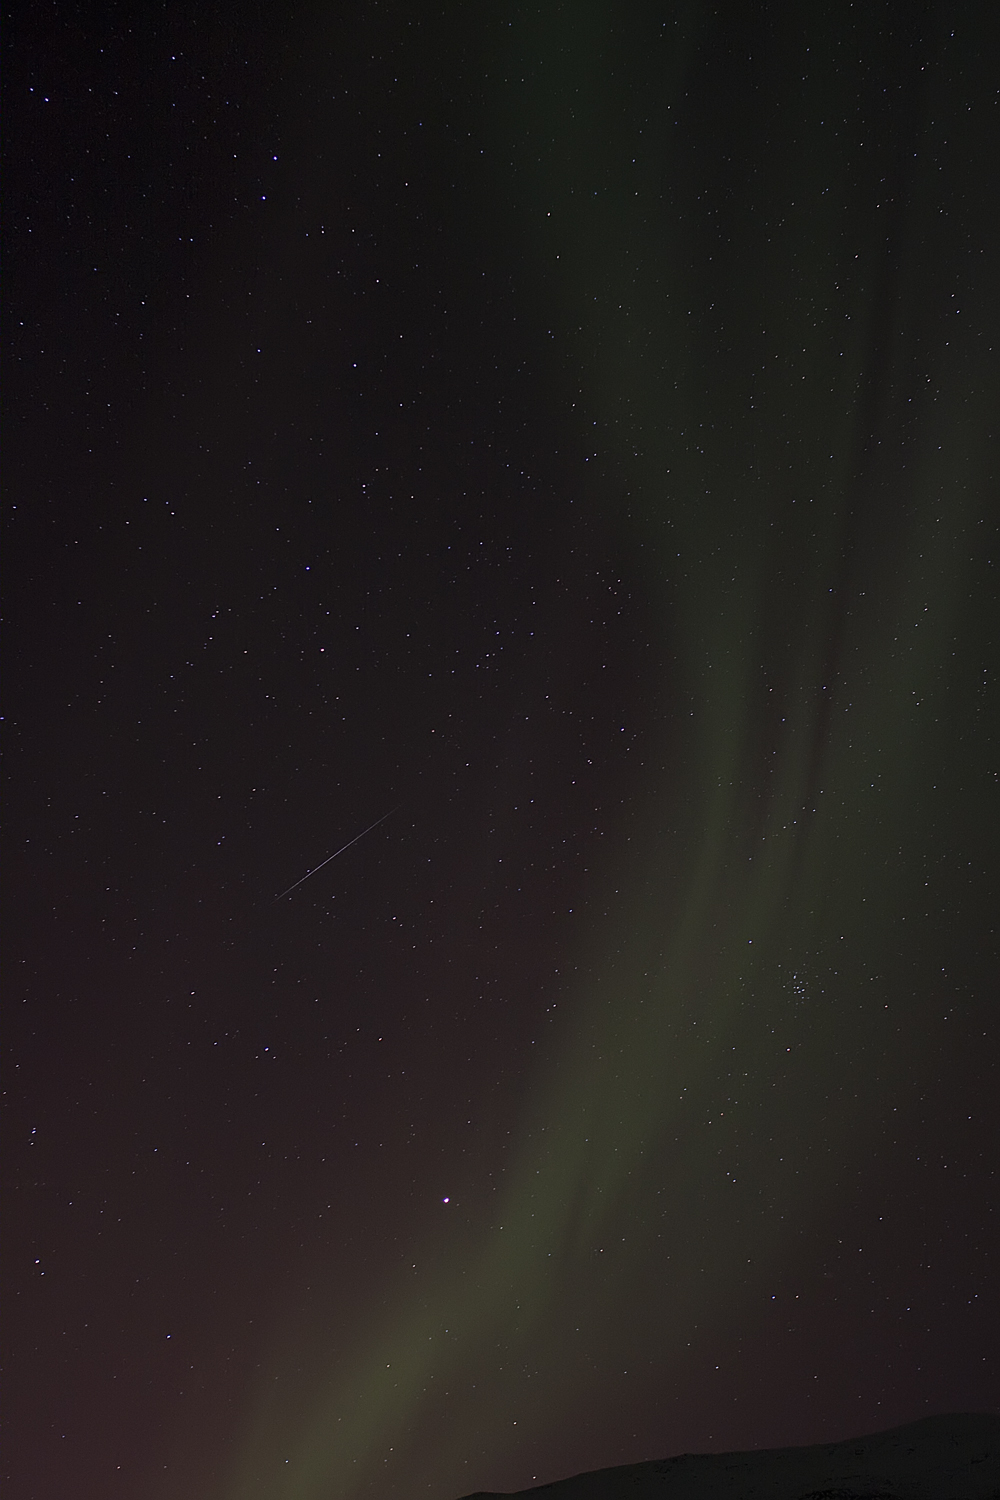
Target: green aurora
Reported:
point(795, 453)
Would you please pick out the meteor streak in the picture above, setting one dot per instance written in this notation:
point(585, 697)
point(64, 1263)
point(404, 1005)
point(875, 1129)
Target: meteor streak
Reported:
point(326, 861)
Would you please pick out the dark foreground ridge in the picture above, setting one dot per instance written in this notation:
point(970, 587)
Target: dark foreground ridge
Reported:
point(954, 1457)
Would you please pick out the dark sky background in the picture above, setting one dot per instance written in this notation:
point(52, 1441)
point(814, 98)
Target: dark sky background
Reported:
point(564, 432)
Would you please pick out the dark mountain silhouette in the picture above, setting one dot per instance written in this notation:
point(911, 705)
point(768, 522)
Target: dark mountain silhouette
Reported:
point(952, 1457)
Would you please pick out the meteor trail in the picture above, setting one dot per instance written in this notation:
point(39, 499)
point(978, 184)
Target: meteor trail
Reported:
point(326, 861)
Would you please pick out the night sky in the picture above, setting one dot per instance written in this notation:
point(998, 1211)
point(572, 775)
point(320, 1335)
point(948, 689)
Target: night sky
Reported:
point(551, 449)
